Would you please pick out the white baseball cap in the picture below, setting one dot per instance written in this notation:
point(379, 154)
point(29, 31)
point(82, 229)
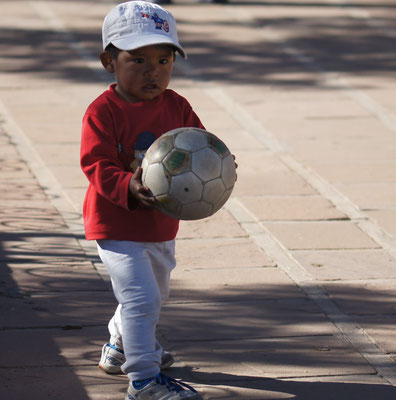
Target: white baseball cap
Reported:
point(136, 24)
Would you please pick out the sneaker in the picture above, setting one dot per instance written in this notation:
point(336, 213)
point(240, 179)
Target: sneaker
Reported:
point(113, 357)
point(161, 387)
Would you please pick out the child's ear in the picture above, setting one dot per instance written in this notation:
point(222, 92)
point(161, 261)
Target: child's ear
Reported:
point(107, 61)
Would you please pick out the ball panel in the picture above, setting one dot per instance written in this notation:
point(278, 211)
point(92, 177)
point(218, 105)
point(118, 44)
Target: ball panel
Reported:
point(220, 203)
point(155, 178)
point(159, 149)
point(213, 191)
point(145, 164)
point(177, 161)
point(228, 172)
point(191, 139)
point(206, 164)
point(169, 205)
point(186, 188)
point(196, 210)
point(218, 146)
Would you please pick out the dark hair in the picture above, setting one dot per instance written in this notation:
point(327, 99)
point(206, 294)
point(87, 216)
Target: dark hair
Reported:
point(114, 51)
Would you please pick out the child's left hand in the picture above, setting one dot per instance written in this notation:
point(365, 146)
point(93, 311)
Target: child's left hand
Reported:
point(236, 166)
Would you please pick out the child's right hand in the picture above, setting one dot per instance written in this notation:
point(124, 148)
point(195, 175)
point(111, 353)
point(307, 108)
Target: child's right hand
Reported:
point(140, 192)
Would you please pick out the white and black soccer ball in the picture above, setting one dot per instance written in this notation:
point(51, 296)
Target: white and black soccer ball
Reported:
point(190, 172)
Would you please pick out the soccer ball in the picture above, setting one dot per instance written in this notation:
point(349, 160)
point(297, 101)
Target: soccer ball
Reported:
point(190, 172)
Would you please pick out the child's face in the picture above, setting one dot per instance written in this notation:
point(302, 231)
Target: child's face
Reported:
point(143, 74)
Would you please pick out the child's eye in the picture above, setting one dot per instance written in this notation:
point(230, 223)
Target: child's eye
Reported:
point(139, 60)
point(164, 61)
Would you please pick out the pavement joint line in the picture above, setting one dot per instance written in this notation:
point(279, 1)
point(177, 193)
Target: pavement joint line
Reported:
point(326, 189)
point(29, 154)
point(53, 189)
point(352, 332)
point(49, 184)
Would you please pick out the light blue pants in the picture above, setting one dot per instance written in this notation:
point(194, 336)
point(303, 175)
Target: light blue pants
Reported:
point(140, 273)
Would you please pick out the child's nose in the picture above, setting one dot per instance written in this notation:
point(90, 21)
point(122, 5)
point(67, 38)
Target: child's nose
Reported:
point(151, 69)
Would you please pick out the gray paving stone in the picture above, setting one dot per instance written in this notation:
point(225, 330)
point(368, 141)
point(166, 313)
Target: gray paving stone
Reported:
point(344, 387)
point(72, 309)
point(220, 253)
point(292, 208)
point(347, 264)
point(371, 195)
point(219, 225)
point(321, 235)
point(228, 284)
point(34, 277)
point(42, 383)
point(259, 175)
point(54, 347)
point(243, 318)
point(357, 171)
point(310, 356)
point(386, 218)
point(370, 297)
point(381, 328)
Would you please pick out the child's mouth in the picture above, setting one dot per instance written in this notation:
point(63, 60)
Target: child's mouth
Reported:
point(151, 86)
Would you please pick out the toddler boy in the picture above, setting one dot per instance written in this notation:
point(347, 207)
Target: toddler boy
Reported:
point(135, 240)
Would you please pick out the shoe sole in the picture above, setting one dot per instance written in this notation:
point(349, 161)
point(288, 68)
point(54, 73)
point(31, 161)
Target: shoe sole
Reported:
point(117, 370)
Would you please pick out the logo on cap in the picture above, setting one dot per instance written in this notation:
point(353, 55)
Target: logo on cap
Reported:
point(159, 22)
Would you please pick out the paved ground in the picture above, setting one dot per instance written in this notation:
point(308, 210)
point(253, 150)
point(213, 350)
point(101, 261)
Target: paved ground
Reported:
point(286, 293)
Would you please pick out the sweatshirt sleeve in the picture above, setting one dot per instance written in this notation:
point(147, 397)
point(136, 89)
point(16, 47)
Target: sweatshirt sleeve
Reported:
point(100, 163)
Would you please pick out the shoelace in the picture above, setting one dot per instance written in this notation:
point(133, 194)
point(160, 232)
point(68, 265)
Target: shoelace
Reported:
point(172, 384)
point(115, 348)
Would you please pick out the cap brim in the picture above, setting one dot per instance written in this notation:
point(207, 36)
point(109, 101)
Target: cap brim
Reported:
point(133, 42)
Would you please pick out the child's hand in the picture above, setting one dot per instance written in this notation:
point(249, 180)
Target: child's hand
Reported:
point(140, 192)
point(236, 166)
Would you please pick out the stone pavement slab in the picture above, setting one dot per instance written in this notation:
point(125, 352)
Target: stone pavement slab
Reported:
point(365, 297)
point(272, 358)
point(224, 284)
point(319, 235)
point(382, 328)
point(56, 309)
point(292, 208)
point(355, 264)
point(75, 345)
point(220, 253)
point(241, 318)
point(33, 278)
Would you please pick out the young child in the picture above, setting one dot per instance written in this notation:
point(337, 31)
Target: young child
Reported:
point(135, 241)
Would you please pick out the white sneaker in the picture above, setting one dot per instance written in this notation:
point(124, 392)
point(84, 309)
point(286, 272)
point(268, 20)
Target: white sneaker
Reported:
point(161, 387)
point(113, 357)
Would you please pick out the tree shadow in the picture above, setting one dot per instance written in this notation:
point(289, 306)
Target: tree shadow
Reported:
point(335, 45)
point(260, 388)
point(258, 340)
point(53, 303)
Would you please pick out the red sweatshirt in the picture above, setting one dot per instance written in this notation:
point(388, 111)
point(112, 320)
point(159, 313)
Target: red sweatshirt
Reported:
point(115, 135)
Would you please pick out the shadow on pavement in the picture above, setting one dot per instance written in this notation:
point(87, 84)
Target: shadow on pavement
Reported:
point(339, 45)
point(52, 301)
point(275, 389)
